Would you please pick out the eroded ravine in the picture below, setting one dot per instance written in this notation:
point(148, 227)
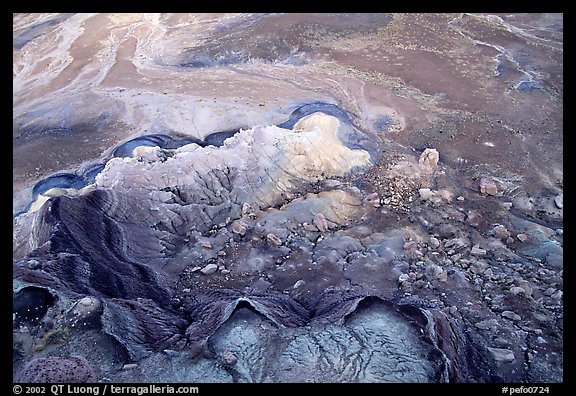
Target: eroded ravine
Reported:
point(322, 228)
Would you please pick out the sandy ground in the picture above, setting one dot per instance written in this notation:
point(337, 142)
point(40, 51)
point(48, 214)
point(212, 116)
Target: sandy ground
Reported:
point(102, 78)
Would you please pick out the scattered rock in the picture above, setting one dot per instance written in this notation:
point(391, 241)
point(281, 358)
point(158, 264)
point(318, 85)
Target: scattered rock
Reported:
point(443, 194)
point(443, 276)
point(477, 251)
point(199, 198)
point(372, 199)
point(246, 208)
point(516, 290)
point(87, 301)
point(261, 285)
point(320, 222)
point(511, 315)
point(403, 278)
point(86, 306)
point(501, 232)
point(524, 202)
point(273, 240)
point(456, 244)
point(447, 230)
point(473, 218)
point(410, 245)
point(524, 284)
point(548, 292)
point(425, 193)
point(209, 269)
point(299, 284)
point(429, 158)
point(229, 358)
point(488, 324)
point(488, 186)
point(502, 355)
point(34, 264)
point(434, 242)
point(559, 201)
point(481, 265)
point(501, 342)
point(558, 295)
point(555, 261)
point(474, 270)
point(434, 270)
point(240, 228)
point(310, 227)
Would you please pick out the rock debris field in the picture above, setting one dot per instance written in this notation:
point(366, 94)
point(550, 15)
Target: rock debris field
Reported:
point(288, 198)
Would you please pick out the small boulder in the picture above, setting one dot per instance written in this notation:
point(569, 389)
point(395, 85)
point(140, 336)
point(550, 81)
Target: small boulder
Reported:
point(525, 285)
point(511, 315)
point(488, 324)
point(517, 290)
point(239, 227)
point(488, 186)
point(443, 276)
point(403, 278)
point(273, 240)
point(209, 269)
point(321, 222)
point(477, 251)
point(502, 355)
point(57, 369)
point(501, 232)
point(433, 242)
point(426, 193)
point(474, 218)
point(559, 201)
point(228, 358)
point(298, 284)
point(429, 158)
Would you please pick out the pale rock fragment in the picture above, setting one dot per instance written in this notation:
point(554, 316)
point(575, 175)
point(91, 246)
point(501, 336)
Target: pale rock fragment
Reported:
point(273, 239)
point(559, 201)
point(502, 355)
point(425, 193)
point(209, 269)
point(320, 222)
point(501, 232)
point(239, 227)
point(477, 251)
point(488, 186)
point(429, 158)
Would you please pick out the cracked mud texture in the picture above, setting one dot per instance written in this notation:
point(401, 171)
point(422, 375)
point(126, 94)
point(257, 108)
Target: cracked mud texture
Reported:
point(288, 197)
